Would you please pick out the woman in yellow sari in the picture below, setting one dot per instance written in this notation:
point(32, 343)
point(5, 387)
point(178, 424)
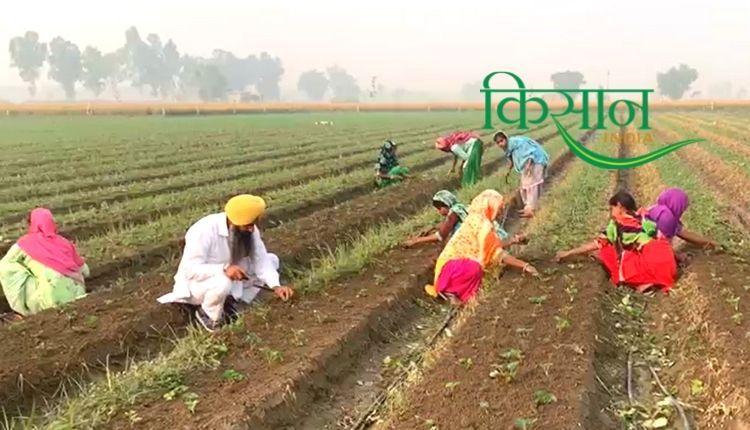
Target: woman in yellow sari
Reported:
point(474, 247)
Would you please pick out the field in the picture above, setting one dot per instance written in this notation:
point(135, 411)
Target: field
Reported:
point(361, 346)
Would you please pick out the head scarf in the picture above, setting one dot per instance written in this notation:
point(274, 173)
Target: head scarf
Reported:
point(445, 143)
point(387, 159)
point(477, 238)
point(244, 209)
point(451, 201)
point(670, 205)
point(43, 244)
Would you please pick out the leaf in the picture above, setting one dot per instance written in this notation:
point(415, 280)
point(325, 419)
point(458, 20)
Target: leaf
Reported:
point(658, 423)
point(696, 387)
point(524, 423)
point(452, 385)
point(512, 354)
point(543, 397)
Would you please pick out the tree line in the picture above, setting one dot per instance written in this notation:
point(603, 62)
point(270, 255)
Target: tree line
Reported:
point(158, 67)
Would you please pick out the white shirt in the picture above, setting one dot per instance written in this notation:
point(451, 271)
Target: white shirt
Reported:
point(207, 253)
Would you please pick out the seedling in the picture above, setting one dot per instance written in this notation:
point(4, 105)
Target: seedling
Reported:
point(512, 354)
point(133, 417)
point(734, 302)
point(272, 356)
point(466, 363)
point(449, 386)
point(392, 363)
point(696, 387)
point(543, 397)
point(539, 300)
point(562, 323)
point(253, 339)
point(737, 318)
point(221, 349)
point(235, 326)
point(572, 292)
point(232, 375)
point(509, 370)
point(191, 401)
point(524, 423)
point(298, 337)
point(262, 311)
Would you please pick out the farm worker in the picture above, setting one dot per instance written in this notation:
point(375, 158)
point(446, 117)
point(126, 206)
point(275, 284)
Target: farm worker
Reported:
point(475, 246)
point(42, 269)
point(468, 147)
point(225, 259)
point(630, 250)
point(667, 213)
point(530, 160)
point(388, 171)
point(454, 213)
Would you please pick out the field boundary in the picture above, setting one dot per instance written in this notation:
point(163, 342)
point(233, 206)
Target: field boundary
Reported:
point(199, 109)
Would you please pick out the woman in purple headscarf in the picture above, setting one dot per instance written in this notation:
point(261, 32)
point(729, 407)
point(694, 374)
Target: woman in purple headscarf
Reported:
point(667, 213)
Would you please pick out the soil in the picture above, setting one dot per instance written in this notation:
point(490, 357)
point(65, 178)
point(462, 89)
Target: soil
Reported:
point(129, 317)
point(288, 393)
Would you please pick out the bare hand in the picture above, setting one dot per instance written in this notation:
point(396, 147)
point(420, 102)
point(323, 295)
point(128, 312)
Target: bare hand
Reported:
point(711, 245)
point(560, 256)
point(235, 273)
point(409, 243)
point(531, 270)
point(520, 239)
point(284, 293)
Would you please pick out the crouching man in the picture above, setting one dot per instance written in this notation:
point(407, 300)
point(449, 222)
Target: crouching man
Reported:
point(225, 260)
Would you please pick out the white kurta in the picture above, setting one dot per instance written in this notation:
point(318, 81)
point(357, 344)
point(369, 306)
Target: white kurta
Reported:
point(200, 278)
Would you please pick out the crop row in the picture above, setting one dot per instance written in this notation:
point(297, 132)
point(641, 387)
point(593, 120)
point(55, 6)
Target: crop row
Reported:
point(97, 172)
point(323, 159)
point(33, 140)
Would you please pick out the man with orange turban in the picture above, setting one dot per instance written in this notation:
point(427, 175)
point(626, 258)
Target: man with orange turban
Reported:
point(225, 260)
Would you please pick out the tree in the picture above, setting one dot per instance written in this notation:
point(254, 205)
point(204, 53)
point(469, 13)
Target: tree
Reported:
point(95, 70)
point(65, 65)
point(270, 71)
point(567, 80)
point(676, 81)
point(210, 83)
point(343, 85)
point(27, 55)
point(151, 63)
point(314, 83)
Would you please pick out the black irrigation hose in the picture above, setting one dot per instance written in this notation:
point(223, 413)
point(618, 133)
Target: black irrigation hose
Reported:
point(671, 398)
point(364, 420)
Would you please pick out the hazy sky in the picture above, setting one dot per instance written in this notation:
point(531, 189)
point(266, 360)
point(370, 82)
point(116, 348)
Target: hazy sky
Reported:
point(430, 45)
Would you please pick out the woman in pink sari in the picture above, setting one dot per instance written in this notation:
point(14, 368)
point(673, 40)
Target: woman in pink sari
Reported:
point(42, 269)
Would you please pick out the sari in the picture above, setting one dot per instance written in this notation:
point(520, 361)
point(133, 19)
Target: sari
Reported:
point(476, 245)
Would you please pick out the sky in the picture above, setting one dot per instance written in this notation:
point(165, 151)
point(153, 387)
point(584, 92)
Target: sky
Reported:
point(422, 45)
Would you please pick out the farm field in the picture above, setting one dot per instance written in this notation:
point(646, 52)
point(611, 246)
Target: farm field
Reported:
point(362, 346)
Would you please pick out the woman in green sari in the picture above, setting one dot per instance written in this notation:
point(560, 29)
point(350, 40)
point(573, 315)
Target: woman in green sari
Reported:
point(42, 269)
point(454, 213)
point(388, 170)
point(467, 146)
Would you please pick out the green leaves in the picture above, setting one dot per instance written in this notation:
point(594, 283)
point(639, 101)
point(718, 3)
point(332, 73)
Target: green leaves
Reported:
point(232, 375)
point(543, 397)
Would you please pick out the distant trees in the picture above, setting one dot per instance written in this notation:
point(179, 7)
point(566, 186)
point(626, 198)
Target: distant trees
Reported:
point(27, 55)
point(569, 80)
point(343, 85)
point(65, 65)
point(676, 81)
point(314, 83)
point(149, 64)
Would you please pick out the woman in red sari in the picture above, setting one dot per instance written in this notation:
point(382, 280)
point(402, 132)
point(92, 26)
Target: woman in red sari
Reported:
point(630, 249)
